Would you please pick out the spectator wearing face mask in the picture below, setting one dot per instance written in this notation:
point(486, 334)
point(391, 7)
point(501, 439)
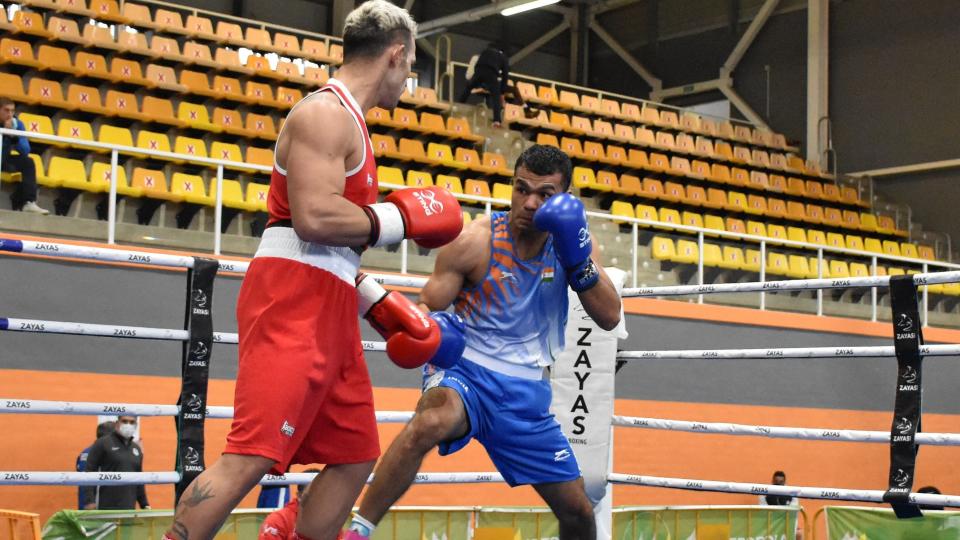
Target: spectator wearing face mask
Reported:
point(116, 452)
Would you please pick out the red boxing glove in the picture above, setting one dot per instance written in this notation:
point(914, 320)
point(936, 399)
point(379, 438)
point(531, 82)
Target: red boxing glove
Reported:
point(430, 216)
point(412, 336)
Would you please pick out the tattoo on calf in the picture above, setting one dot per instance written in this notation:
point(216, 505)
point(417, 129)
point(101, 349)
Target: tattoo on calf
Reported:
point(197, 495)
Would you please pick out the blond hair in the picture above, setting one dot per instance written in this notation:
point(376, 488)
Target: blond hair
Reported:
point(372, 27)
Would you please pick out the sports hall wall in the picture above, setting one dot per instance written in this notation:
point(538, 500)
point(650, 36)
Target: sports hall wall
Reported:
point(832, 394)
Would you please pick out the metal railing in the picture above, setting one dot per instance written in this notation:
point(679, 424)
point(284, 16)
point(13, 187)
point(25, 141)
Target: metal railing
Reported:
point(488, 204)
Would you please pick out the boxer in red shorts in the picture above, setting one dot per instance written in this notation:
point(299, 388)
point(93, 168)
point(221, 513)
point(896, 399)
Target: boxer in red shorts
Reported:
point(303, 393)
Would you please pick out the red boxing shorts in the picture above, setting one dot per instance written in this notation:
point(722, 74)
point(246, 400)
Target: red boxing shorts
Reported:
point(303, 393)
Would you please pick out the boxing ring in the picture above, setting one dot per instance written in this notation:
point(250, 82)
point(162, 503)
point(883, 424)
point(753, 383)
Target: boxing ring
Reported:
point(187, 336)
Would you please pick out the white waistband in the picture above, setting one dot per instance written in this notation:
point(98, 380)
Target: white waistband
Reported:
point(283, 243)
point(533, 373)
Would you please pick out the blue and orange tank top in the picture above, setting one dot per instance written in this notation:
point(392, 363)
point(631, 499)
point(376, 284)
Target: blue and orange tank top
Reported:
point(516, 316)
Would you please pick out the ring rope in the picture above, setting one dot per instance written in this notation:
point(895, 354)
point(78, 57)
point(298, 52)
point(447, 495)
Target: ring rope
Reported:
point(43, 478)
point(797, 352)
point(87, 408)
point(126, 332)
point(929, 278)
point(836, 494)
point(53, 249)
point(773, 432)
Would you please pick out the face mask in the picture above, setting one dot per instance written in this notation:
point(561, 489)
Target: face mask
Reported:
point(127, 430)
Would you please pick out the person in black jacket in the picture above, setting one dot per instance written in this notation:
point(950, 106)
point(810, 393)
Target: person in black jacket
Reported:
point(116, 452)
point(490, 73)
point(103, 429)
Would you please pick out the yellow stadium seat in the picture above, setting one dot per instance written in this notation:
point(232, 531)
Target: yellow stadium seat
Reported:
point(496, 164)
point(127, 43)
point(232, 196)
point(75, 129)
point(854, 242)
point(839, 269)
point(851, 220)
point(261, 68)
point(115, 135)
point(228, 152)
point(315, 50)
point(583, 177)
point(87, 99)
point(412, 150)
point(733, 258)
point(441, 154)
point(669, 215)
point(160, 110)
point(317, 75)
point(449, 183)
point(868, 222)
point(200, 27)
point(797, 234)
point(712, 255)
point(814, 265)
point(229, 59)
point(628, 185)
point(477, 188)
point(36, 123)
point(262, 93)
point(756, 228)
point(713, 222)
point(926, 252)
point(776, 232)
point(129, 72)
point(621, 208)
point(461, 127)
point(909, 250)
point(799, 268)
point(419, 179)
point(92, 65)
point(687, 252)
point(647, 213)
point(756, 205)
point(153, 184)
point(288, 97)
point(859, 270)
point(17, 52)
point(606, 180)
point(48, 92)
point(198, 54)
point(891, 247)
point(192, 188)
point(259, 156)
point(777, 264)
point(196, 116)
point(197, 83)
point(69, 173)
point(391, 176)
point(816, 237)
point(257, 195)
point(692, 219)
point(229, 121)
point(715, 199)
point(751, 260)
point(11, 86)
point(190, 146)
point(261, 126)
point(30, 23)
point(836, 240)
point(873, 245)
point(662, 249)
point(107, 10)
point(157, 142)
point(100, 174)
point(776, 208)
point(736, 202)
point(124, 104)
point(502, 192)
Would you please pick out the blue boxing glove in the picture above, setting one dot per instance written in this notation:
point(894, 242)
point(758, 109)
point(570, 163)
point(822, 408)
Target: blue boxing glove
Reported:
point(563, 216)
point(453, 339)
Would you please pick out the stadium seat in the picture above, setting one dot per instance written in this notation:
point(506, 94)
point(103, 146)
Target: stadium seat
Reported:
point(756, 228)
point(107, 10)
point(124, 104)
point(17, 52)
point(662, 249)
point(891, 247)
point(129, 72)
point(849, 195)
point(47, 92)
point(231, 33)
point(191, 188)
point(798, 267)
point(868, 222)
point(195, 116)
point(229, 59)
point(756, 205)
point(646, 212)
point(36, 123)
point(502, 192)
point(389, 178)
point(673, 192)
point(198, 54)
point(75, 129)
point(257, 195)
point(796, 211)
point(166, 21)
point(30, 23)
point(751, 260)
point(87, 99)
point(100, 174)
point(497, 164)
point(832, 217)
point(69, 173)
point(854, 242)
point(776, 208)
point(477, 188)
point(816, 237)
point(317, 51)
point(776, 232)
point(228, 152)
point(605, 182)
point(909, 250)
point(692, 219)
point(419, 179)
point(583, 178)
point(796, 234)
point(198, 84)
point(831, 192)
point(926, 252)
point(851, 220)
point(261, 126)
point(232, 196)
point(814, 214)
point(735, 225)
point(687, 252)
point(859, 270)
point(157, 142)
point(873, 245)
point(449, 183)
point(733, 258)
point(623, 209)
point(317, 75)
point(160, 110)
point(200, 27)
point(669, 215)
point(412, 150)
point(836, 240)
point(628, 185)
point(260, 67)
point(262, 94)
point(120, 136)
point(777, 264)
point(441, 154)
point(384, 145)
point(190, 146)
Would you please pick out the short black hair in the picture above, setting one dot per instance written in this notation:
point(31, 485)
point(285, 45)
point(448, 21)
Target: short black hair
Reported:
point(4, 101)
point(373, 27)
point(779, 473)
point(104, 428)
point(545, 160)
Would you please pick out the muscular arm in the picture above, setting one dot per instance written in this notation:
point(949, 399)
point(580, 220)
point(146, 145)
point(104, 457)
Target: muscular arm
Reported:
point(601, 301)
point(319, 139)
point(454, 263)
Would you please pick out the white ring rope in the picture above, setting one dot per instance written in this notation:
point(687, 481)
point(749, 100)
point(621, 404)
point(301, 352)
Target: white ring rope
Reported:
point(773, 432)
point(87, 408)
point(836, 494)
point(126, 332)
point(929, 278)
point(798, 352)
point(42, 478)
point(52, 249)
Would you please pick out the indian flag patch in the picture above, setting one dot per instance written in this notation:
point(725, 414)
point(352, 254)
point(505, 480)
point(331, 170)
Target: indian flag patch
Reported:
point(547, 275)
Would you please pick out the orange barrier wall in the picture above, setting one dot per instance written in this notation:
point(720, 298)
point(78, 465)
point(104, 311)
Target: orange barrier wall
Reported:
point(52, 442)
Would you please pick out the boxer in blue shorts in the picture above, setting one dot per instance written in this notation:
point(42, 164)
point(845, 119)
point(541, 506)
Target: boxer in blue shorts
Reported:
point(507, 277)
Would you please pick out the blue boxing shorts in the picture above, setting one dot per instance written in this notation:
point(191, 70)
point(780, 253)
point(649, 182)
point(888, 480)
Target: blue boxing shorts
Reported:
point(510, 417)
